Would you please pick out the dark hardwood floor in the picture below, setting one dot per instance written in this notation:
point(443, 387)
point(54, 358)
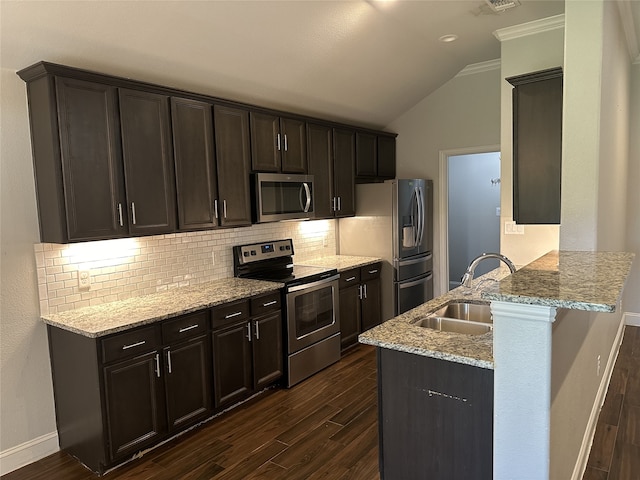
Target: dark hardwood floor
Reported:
point(326, 428)
point(615, 453)
point(323, 428)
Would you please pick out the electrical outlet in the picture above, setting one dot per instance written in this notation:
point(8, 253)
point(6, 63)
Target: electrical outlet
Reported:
point(84, 279)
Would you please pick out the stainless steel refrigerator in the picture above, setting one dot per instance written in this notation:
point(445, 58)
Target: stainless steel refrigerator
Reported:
point(394, 221)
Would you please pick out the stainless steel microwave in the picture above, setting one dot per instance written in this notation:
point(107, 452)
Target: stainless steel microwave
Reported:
point(279, 196)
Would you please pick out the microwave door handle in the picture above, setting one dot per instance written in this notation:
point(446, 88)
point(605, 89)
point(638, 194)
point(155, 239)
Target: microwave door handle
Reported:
point(307, 191)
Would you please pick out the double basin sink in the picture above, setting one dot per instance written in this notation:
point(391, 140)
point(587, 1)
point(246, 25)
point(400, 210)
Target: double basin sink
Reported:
point(460, 317)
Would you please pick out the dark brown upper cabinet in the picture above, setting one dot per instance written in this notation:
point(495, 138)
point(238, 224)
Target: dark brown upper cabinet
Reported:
point(320, 156)
point(344, 156)
point(366, 155)
point(332, 163)
point(278, 144)
point(77, 159)
point(537, 146)
point(386, 157)
point(194, 156)
point(148, 162)
point(233, 163)
point(375, 157)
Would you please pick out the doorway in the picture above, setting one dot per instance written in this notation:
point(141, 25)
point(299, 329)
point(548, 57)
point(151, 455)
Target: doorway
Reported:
point(470, 213)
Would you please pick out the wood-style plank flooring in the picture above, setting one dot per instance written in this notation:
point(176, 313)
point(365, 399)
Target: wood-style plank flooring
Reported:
point(615, 453)
point(326, 428)
point(323, 428)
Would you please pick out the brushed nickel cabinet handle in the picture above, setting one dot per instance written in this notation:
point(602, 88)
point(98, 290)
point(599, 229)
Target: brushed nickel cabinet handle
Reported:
point(169, 360)
point(249, 331)
point(257, 331)
point(224, 209)
point(215, 208)
point(286, 145)
point(133, 212)
point(120, 219)
point(268, 304)
point(350, 279)
point(158, 365)
point(231, 315)
point(137, 344)
point(186, 329)
point(373, 271)
point(278, 142)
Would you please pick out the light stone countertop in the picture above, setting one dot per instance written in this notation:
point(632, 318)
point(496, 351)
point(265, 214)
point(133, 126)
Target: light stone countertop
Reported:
point(342, 262)
point(99, 320)
point(591, 281)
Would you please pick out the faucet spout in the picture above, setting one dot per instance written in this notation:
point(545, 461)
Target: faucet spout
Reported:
point(468, 275)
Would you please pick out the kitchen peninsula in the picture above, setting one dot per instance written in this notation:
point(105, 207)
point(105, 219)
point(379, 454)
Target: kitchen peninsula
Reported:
point(562, 287)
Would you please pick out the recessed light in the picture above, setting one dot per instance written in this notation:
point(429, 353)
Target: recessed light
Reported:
point(448, 38)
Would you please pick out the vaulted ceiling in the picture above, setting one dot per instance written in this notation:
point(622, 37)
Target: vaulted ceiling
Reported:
point(359, 61)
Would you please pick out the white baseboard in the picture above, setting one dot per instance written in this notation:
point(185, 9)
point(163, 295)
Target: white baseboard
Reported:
point(587, 441)
point(632, 319)
point(28, 452)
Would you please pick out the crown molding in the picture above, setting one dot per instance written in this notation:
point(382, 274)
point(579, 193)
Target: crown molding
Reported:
point(530, 28)
point(480, 67)
point(626, 18)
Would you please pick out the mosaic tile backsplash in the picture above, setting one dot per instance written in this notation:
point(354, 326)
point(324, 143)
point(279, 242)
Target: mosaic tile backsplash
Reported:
point(132, 267)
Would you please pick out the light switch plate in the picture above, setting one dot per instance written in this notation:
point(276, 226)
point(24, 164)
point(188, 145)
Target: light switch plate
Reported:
point(511, 228)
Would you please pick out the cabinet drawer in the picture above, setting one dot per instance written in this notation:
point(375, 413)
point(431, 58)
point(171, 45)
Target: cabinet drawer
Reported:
point(229, 313)
point(349, 277)
point(131, 343)
point(186, 326)
point(369, 272)
point(270, 302)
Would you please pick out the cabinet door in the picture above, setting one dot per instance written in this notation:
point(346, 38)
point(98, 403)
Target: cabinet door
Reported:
point(349, 316)
point(371, 304)
point(135, 404)
point(266, 142)
point(537, 146)
point(344, 151)
point(294, 148)
point(386, 157)
point(232, 364)
point(320, 156)
point(366, 155)
point(233, 165)
point(268, 355)
point(91, 161)
point(194, 157)
point(149, 172)
point(188, 381)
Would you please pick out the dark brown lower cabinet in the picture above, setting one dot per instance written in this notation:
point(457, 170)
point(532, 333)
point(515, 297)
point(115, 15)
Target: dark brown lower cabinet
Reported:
point(360, 302)
point(135, 408)
point(118, 394)
point(248, 353)
point(435, 418)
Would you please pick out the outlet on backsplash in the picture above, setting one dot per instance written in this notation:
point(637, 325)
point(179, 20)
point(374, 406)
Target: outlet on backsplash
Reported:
point(84, 280)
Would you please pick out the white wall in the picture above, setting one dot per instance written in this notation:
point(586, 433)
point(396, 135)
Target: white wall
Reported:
point(521, 55)
point(465, 112)
point(26, 410)
point(595, 159)
point(631, 303)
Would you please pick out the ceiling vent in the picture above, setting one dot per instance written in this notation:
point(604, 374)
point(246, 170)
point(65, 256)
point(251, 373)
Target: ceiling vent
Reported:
point(499, 6)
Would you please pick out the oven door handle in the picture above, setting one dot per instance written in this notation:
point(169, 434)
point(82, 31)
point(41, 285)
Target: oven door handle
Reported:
point(313, 284)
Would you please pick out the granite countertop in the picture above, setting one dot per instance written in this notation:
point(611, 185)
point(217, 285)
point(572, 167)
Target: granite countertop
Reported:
point(401, 334)
point(108, 318)
point(341, 262)
point(590, 281)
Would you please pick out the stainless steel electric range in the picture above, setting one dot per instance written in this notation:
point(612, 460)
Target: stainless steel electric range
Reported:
point(310, 297)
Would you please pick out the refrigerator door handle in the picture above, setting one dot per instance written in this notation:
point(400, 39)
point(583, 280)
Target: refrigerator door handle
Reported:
point(413, 261)
point(420, 200)
point(415, 216)
point(403, 285)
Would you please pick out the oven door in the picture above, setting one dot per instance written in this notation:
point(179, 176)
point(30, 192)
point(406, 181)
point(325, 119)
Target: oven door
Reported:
point(312, 313)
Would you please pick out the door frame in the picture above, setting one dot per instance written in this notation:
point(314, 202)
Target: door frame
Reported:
point(443, 198)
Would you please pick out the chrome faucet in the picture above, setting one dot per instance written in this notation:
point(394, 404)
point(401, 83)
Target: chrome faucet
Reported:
point(468, 275)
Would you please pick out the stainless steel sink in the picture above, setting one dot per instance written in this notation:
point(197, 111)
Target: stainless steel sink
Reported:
point(456, 326)
point(460, 317)
point(465, 311)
